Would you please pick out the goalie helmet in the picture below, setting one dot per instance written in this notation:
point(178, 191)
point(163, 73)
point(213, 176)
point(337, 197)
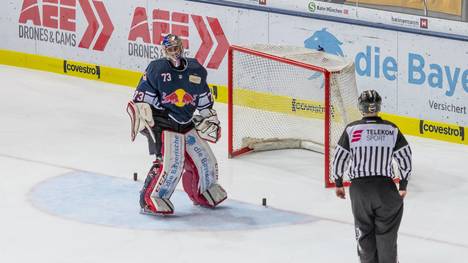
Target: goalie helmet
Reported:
point(369, 101)
point(173, 47)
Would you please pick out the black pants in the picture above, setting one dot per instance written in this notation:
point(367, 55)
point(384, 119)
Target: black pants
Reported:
point(377, 209)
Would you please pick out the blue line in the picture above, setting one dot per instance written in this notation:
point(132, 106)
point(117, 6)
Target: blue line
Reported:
point(333, 19)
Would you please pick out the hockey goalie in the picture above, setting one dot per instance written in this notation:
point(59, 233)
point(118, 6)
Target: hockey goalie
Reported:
point(163, 109)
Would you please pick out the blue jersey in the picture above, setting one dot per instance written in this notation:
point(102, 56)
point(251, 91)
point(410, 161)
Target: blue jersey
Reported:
point(177, 92)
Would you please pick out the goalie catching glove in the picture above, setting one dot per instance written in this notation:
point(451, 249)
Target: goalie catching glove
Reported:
point(207, 125)
point(141, 117)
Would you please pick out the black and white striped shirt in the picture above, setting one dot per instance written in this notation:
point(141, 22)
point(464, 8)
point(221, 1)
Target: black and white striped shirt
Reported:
point(366, 148)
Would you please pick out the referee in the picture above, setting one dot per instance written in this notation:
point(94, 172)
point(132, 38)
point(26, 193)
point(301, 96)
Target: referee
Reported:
point(365, 152)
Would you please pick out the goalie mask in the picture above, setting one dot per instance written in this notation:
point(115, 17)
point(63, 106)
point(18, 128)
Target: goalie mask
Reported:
point(369, 102)
point(173, 48)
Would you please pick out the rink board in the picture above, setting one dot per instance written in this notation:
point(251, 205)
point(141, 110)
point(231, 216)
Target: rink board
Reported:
point(411, 126)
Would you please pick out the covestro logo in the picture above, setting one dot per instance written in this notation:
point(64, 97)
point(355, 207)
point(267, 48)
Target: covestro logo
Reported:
point(311, 109)
point(435, 130)
point(82, 70)
point(54, 22)
point(297, 105)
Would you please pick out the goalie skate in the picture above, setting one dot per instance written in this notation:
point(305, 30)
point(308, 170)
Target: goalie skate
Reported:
point(147, 211)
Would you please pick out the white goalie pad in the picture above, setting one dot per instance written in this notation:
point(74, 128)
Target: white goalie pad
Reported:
point(141, 117)
point(204, 160)
point(163, 206)
point(173, 165)
point(207, 125)
point(215, 195)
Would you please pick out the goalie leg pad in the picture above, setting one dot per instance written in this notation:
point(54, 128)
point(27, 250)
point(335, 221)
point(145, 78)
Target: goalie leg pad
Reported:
point(190, 181)
point(162, 206)
point(150, 205)
point(173, 164)
point(211, 197)
point(161, 187)
point(153, 174)
point(201, 172)
point(215, 195)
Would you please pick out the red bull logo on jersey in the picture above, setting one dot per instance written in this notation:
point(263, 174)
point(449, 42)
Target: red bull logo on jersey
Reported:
point(180, 98)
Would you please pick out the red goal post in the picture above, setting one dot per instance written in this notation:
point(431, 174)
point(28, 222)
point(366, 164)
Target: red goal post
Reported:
point(283, 97)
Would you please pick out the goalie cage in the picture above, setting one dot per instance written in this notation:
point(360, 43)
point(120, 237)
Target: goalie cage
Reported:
point(284, 97)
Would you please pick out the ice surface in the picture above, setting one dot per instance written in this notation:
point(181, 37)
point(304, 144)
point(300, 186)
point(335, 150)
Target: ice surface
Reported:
point(111, 201)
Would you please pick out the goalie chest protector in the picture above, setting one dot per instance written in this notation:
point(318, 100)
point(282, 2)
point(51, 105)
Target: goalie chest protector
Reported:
point(180, 92)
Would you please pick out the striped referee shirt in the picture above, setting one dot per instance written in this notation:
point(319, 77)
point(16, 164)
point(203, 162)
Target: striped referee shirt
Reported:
point(366, 149)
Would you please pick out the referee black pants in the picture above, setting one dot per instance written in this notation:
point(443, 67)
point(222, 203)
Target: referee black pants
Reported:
point(377, 209)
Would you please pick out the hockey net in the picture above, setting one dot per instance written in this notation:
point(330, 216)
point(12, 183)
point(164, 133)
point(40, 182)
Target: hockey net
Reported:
point(283, 97)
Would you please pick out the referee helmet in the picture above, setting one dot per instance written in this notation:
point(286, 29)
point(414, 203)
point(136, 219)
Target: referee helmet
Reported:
point(369, 101)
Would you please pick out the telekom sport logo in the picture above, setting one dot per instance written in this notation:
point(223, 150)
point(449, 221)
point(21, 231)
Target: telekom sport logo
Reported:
point(56, 22)
point(356, 135)
point(165, 22)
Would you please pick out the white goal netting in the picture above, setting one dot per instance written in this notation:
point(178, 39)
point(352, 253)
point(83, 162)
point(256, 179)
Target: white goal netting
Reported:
point(279, 96)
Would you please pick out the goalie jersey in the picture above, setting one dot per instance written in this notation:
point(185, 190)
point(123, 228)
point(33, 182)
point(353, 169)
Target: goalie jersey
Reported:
point(177, 92)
